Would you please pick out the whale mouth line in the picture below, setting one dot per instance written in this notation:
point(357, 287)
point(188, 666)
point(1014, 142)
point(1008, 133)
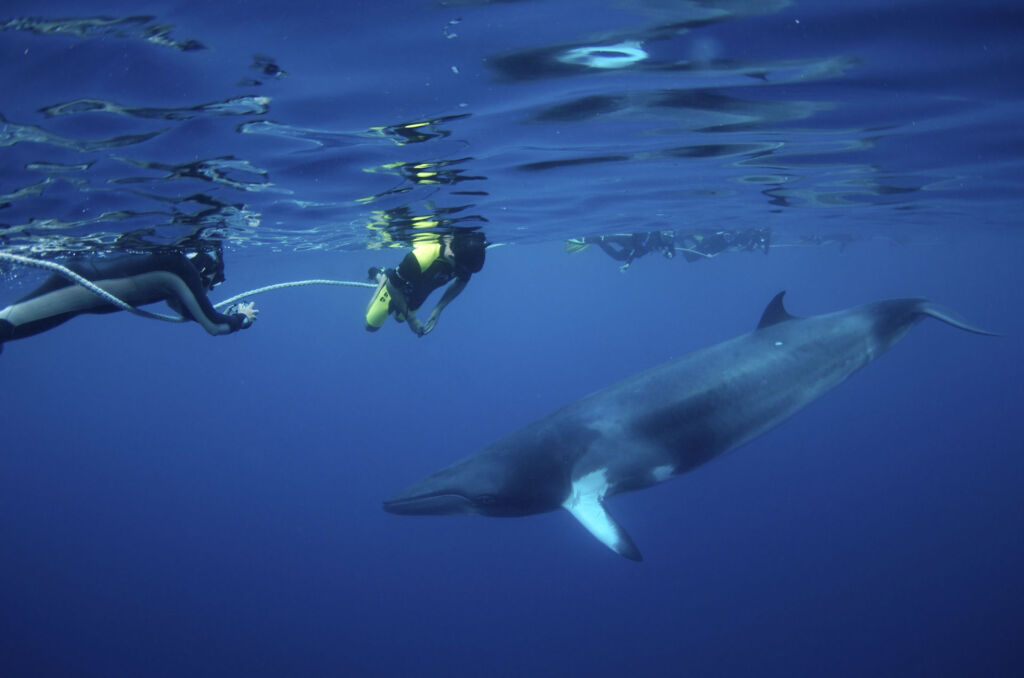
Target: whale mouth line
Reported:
point(434, 503)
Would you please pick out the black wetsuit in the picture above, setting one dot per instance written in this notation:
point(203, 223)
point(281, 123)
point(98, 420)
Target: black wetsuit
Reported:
point(135, 279)
point(702, 244)
point(710, 243)
point(627, 248)
point(417, 285)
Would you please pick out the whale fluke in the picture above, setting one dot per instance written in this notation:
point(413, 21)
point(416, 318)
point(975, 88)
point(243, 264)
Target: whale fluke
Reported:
point(953, 318)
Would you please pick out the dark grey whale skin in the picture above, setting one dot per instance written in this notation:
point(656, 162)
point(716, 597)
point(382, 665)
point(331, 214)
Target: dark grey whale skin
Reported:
point(667, 420)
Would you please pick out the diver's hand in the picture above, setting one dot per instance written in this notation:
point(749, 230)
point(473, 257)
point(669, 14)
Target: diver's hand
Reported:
point(428, 326)
point(415, 325)
point(249, 311)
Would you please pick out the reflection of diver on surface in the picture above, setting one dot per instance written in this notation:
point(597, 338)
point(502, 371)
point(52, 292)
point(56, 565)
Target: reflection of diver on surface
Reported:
point(628, 247)
point(417, 131)
point(705, 244)
point(424, 173)
point(433, 262)
point(182, 278)
point(400, 226)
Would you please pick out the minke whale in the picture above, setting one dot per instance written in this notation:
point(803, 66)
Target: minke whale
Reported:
point(667, 421)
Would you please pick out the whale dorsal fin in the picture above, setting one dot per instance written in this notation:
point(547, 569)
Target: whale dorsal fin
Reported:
point(775, 312)
point(586, 504)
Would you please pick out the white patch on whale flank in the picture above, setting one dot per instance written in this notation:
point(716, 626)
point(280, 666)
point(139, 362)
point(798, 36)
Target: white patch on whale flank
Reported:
point(662, 473)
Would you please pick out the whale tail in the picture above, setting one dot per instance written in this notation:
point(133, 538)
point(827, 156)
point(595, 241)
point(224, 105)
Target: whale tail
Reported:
point(951, 317)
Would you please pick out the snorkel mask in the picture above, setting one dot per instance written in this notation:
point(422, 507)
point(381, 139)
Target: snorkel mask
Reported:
point(210, 266)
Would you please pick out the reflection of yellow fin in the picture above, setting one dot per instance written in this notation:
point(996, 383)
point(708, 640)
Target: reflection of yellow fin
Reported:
point(574, 245)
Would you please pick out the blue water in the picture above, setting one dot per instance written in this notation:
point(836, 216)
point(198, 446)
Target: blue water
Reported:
point(175, 504)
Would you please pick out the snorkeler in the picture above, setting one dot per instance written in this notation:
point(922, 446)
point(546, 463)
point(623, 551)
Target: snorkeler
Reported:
point(628, 247)
point(751, 239)
point(180, 278)
point(705, 244)
point(431, 264)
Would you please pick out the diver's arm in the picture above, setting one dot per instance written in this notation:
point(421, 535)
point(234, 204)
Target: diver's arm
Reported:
point(453, 291)
point(415, 325)
point(200, 309)
point(400, 307)
point(188, 297)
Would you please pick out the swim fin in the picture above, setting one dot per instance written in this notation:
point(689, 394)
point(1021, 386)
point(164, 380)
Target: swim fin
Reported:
point(574, 245)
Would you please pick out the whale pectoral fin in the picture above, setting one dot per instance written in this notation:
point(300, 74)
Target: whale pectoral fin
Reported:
point(590, 511)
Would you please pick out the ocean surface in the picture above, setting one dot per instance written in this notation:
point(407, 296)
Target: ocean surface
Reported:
point(175, 504)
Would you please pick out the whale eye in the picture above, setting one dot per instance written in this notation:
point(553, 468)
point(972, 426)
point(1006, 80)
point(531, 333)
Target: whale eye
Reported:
point(485, 499)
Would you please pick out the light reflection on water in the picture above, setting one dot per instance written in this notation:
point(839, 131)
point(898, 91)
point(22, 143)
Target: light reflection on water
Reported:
point(657, 116)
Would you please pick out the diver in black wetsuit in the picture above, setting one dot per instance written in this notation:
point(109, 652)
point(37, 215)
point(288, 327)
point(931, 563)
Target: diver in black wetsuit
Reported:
point(182, 279)
point(431, 264)
point(705, 244)
point(629, 246)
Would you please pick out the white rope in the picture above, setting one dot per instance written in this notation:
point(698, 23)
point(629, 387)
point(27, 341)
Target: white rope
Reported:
point(687, 249)
point(297, 283)
point(110, 298)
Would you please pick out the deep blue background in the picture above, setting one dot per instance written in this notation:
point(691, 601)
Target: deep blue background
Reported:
point(173, 504)
point(176, 504)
